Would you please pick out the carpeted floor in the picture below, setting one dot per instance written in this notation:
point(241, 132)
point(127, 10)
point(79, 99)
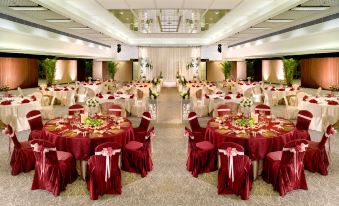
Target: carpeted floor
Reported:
point(169, 183)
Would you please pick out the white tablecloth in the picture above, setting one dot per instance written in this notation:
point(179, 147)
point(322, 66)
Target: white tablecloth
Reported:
point(15, 114)
point(322, 112)
point(60, 95)
point(241, 88)
point(96, 88)
point(217, 99)
point(123, 100)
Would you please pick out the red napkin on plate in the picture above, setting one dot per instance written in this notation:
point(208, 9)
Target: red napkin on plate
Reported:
point(305, 97)
point(313, 101)
point(109, 93)
point(238, 96)
point(331, 102)
point(7, 102)
point(56, 89)
point(132, 96)
point(273, 89)
point(248, 84)
point(25, 101)
point(240, 83)
point(282, 89)
point(219, 92)
point(111, 97)
point(66, 89)
point(98, 83)
point(230, 93)
point(46, 89)
point(228, 97)
point(207, 97)
point(119, 92)
point(33, 98)
point(292, 89)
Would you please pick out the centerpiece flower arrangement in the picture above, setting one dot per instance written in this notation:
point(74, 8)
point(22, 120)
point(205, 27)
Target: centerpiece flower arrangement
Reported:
point(182, 81)
point(92, 103)
point(185, 94)
point(155, 81)
point(245, 122)
point(246, 103)
point(153, 94)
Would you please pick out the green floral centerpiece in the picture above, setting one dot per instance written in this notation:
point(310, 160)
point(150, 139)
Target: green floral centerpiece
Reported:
point(245, 122)
point(185, 94)
point(93, 122)
point(246, 103)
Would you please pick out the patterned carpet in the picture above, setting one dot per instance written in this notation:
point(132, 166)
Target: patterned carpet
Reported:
point(169, 183)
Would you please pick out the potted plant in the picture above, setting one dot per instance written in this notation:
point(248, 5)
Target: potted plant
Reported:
point(112, 69)
point(49, 66)
point(226, 68)
point(290, 66)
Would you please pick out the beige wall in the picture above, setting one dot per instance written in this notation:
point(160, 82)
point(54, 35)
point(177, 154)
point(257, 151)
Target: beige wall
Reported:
point(66, 71)
point(272, 71)
point(124, 73)
point(97, 69)
point(214, 71)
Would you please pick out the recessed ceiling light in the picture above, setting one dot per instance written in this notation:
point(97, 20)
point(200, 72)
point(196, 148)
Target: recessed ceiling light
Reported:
point(28, 8)
point(211, 19)
point(310, 8)
point(217, 12)
point(121, 12)
point(279, 20)
point(59, 20)
point(259, 28)
point(127, 18)
point(78, 28)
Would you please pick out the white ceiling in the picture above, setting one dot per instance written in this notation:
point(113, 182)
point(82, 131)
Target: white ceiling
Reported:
point(169, 4)
point(232, 28)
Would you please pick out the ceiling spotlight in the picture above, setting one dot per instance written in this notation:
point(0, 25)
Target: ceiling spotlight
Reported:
point(28, 8)
point(310, 8)
point(217, 12)
point(59, 20)
point(279, 20)
point(121, 12)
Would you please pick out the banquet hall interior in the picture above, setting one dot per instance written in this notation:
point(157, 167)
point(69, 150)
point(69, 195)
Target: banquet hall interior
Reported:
point(158, 102)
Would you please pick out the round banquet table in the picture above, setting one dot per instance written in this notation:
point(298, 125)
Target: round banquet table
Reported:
point(70, 138)
point(271, 135)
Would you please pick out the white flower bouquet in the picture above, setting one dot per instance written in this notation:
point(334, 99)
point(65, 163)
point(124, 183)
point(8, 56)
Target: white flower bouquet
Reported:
point(92, 102)
point(246, 102)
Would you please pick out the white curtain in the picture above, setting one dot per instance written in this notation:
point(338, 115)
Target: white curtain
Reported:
point(169, 61)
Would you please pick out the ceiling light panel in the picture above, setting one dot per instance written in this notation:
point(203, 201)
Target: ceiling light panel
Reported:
point(28, 8)
point(58, 20)
point(310, 8)
point(279, 20)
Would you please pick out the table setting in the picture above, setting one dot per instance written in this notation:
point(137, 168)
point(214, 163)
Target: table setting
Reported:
point(80, 134)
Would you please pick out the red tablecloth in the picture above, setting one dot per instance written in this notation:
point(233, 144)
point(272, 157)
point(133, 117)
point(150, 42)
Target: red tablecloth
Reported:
point(256, 147)
point(82, 147)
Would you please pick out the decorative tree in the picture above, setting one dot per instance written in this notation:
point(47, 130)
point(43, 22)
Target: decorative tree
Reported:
point(290, 66)
point(226, 68)
point(112, 69)
point(88, 68)
point(250, 68)
point(49, 66)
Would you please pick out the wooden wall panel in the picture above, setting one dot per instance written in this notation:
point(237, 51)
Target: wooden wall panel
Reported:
point(19, 72)
point(317, 72)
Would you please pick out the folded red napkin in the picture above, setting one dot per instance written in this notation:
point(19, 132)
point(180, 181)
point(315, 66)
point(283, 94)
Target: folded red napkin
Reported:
point(111, 97)
point(248, 84)
point(292, 89)
point(91, 84)
point(273, 89)
point(282, 89)
point(240, 83)
point(25, 101)
point(7, 102)
point(229, 92)
point(132, 96)
point(228, 97)
point(109, 92)
point(66, 89)
point(313, 101)
point(84, 84)
point(330, 95)
point(207, 97)
point(33, 98)
point(46, 89)
point(219, 92)
point(305, 97)
point(145, 85)
point(119, 92)
point(98, 83)
point(266, 88)
point(56, 89)
point(331, 102)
